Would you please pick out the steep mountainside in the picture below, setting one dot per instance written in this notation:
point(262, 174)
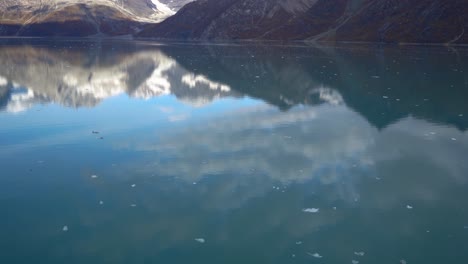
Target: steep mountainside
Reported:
point(78, 17)
point(433, 21)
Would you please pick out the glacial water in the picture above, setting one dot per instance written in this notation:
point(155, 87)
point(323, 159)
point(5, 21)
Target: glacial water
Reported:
point(141, 152)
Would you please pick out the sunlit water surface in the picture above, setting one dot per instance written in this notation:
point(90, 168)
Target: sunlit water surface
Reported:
point(126, 152)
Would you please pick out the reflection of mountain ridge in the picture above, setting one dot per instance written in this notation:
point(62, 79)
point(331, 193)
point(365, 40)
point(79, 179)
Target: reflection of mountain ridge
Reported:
point(382, 84)
point(75, 77)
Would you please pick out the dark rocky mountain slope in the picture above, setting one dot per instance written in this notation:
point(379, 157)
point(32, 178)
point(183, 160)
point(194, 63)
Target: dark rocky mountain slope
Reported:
point(428, 21)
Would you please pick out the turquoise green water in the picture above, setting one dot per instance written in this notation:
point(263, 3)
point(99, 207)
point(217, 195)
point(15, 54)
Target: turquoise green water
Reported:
point(126, 152)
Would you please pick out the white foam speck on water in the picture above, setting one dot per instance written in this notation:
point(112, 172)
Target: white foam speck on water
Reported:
point(293, 255)
point(432, 133)
point(65, 228)
point(310, 210)
point(334, 208)
point(385, 97)
point(200, 240)
point(93, 176)
point(409, 207)
point(133, 185)
point(315, 255)
point(361, 253)
point(133, 205)
point(194, 183)
point(454, 139)
point(354, 261)
point(403, 261)
point(298, 242)
point(101, 202)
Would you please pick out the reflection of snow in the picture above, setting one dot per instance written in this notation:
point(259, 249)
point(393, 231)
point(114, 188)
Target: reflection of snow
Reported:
point(3, 81)
point(328, 95)
point(20, 100)
point(193, 80)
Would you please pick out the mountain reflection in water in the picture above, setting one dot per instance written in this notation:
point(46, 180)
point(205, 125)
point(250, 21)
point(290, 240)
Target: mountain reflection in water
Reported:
point(231, 143)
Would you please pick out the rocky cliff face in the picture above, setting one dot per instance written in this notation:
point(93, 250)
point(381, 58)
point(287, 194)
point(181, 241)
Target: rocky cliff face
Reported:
point(433, 21)
point(78, 18)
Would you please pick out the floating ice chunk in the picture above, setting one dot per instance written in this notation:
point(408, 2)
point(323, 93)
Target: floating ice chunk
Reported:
point(354, 261)
point(93, 176)
point(298, 242)
point(334, 208)
point(133, 205)
point(403, 261)
point(133, 185)
point(315, 255)
point(361, 253)
point(101, 202)
point(65, 228)
point(385, 97)
point(200, 240)
point(432, 133)
point(454, 139)
point(293, 255)
point(194, 183)
point(310, 210)
point(460, 115)
point(409, 207)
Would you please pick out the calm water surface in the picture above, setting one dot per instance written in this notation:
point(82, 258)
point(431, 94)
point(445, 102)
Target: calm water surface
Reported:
point(125, 152)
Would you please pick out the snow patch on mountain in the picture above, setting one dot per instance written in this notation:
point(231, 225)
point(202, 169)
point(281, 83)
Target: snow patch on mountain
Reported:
point(163, 8)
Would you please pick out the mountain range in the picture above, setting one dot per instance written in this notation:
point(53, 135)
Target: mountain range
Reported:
point(391, 21)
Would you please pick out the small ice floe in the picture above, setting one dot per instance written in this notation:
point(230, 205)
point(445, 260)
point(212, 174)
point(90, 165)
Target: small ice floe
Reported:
point(310, 210)
point(361, 253)
point(460, 115)
point(93, 176)
point(409, 207)
point(133, 185)
point(133, 205)
point(354, 261)
point(299, 243)
point(432, 133)
point(200, 240)
point(375, 77)
point(378, 178)
point(293, 255)
point(454, 139)
point(101, 202)
point(398, 99)
point(334, 208)
point(403, 261)
point(194, 183)
point(315, 255)
point(428, 231)
point(65, 228)
point(385, 97)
